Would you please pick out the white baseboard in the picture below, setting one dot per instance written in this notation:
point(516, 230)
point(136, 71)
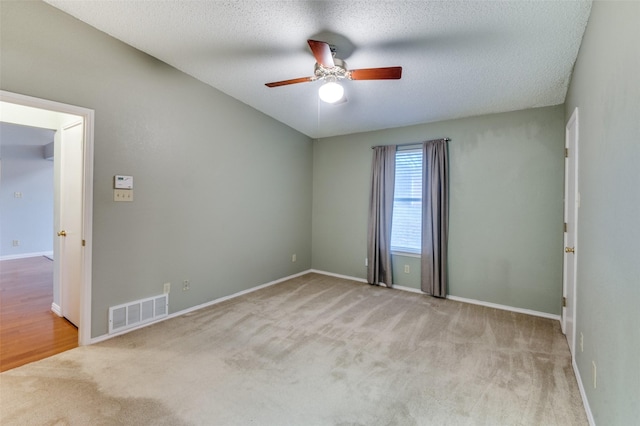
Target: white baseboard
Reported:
point(583, 394)
point(505, 307)
point(331, 274)
point(456, 298)
point(56, 309)
point(197, 307)
point(409, 289)
point(26, 255)
point(234, 295)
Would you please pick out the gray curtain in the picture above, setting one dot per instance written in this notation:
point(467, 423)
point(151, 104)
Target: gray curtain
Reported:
point(435, 217)
point(383, 169)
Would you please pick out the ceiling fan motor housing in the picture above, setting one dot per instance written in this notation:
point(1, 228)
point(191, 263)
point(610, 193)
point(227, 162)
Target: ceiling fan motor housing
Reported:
point(338, 71)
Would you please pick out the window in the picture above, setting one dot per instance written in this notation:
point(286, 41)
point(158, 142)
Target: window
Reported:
point(406, 225)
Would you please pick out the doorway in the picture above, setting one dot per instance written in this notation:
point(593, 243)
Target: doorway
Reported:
point(29, 330)
point(571, 205)
point(73, 195)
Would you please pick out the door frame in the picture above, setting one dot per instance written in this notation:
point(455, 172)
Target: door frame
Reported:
point(84, 328)
point(569, 290)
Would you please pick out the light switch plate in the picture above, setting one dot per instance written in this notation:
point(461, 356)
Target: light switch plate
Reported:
point(123, 195)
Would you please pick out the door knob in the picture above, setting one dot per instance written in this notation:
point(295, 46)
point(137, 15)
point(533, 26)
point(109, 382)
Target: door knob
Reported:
point(569, 249)
point(62, 233)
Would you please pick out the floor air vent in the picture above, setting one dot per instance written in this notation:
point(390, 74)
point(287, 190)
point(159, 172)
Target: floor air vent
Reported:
point(136, 313)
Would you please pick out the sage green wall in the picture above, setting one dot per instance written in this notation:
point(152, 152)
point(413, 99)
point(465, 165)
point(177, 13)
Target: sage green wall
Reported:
point(222, 192)
point(605, 88)
point(506, 177)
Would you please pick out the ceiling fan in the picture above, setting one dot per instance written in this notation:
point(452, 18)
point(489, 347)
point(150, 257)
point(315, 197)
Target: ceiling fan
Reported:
point(331, 69)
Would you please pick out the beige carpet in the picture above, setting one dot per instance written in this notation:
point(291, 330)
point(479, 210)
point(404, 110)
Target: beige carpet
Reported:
point(314, 350)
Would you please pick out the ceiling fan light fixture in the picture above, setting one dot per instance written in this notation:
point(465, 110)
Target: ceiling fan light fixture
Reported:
point(331, 92)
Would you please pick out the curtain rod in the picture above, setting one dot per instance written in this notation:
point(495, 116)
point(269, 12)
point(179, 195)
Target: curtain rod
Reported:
point(414, 143)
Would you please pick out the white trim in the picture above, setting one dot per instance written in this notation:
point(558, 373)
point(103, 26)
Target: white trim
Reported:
point(583, 394)
point(56, 309)
point(87, 232)
point(455, 298)
point(84, 329)
point(26, 255)
point(198, 307)
point(573, 157)
point(505, 307)
point(331, 274)
point(409, 289)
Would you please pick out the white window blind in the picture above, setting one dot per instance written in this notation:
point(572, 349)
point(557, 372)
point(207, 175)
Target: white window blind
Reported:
point(406, 225)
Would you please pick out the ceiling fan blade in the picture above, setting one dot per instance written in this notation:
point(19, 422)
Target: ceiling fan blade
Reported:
point(292, 81)
point(389, 73)
point(322, 53)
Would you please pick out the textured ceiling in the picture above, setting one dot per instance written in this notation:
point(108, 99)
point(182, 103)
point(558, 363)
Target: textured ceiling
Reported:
point(459, 59)
point(15, 134)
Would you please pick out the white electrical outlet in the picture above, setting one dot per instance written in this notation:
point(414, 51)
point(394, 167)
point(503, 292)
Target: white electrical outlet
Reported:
point(16, 243)
point(186, 285)
point(407, 269)
point(595, 374)
point(167, 287)
point(293, 257)
point(366, 261)
point(581, 342)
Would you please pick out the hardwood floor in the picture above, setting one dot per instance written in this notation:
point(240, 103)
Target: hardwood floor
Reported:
point(29, 331)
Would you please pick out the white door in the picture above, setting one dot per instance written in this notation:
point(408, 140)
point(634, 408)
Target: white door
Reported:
point(571, 204)
point(69, 232)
